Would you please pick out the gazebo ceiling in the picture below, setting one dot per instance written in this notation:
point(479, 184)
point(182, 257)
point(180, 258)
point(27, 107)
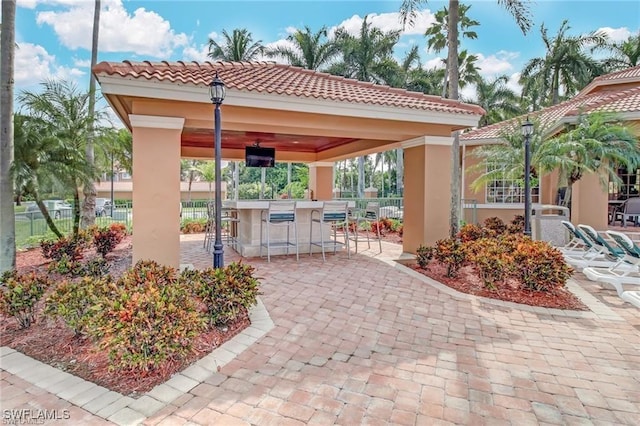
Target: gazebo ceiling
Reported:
point(203, 138)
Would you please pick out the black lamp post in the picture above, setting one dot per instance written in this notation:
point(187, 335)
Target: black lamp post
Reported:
point(217, 92)
point(527, 131)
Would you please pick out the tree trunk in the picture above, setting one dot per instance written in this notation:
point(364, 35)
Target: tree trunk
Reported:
point(89, 189)
point(7, 215)
point(361, 177)
point(453, 71)
point(263, 181)
point(47, 217)
point(400, 171)
point(289, 167)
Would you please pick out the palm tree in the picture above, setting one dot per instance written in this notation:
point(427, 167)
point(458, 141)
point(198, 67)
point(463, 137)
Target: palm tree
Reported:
point(207, 171)
point(64, 113)
point(236, 47)
point(625, 54)
point(310, 50)
point(565, 66)
point(89, 204)
point(599, 143)
point(499, 102)
point(368, 56)
point(437, 33)
point(7, 61)
point(520, 11)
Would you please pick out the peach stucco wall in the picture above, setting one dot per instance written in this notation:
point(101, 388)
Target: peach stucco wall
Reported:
point(589, 202)
point(321, 180)
point(156, 190)
point(427, 195)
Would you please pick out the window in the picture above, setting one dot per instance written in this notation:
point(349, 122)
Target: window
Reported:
point(507, 191)
point(628, 188)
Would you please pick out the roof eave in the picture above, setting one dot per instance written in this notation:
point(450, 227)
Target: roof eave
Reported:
point(118, 86)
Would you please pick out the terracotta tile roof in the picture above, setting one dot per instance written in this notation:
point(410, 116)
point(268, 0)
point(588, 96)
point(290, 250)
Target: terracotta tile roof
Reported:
point(625, 99)
point(269, 77)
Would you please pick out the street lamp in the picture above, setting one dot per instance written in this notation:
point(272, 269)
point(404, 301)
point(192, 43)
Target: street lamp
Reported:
point(217, 92)
point(527, 131)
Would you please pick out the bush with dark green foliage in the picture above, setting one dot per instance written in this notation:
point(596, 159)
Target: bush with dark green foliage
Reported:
point(471, 232)
point(227, 292)
point(19, 294)
point(72, 301)
point(424, 254)
point(145, 318)
point(517, 225)
point(105, 239)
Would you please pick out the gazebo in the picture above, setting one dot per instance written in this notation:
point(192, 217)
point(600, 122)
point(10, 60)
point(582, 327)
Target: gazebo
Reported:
point(308, 116)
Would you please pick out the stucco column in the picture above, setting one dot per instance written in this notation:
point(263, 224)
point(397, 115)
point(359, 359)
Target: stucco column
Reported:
point(427, 192)
point(589, 202)
point(321, 180)
point(156, 188)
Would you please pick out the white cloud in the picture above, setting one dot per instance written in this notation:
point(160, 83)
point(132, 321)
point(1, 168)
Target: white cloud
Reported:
point(616, 34)
point(436, 63)
point(33, 65)
point(388, 22)
point(496, 64)
point(147, 33)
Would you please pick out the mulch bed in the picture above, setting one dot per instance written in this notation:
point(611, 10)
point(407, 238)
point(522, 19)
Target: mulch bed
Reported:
point(53, 343)
point(468, 282)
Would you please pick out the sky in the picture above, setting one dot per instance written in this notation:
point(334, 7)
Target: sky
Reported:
point(54, 36)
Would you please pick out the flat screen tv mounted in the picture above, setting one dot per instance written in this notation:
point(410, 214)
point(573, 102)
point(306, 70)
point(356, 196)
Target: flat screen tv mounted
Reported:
point(257, 156)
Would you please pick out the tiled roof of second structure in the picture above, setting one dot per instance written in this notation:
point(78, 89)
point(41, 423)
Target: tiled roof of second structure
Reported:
point(268, 77)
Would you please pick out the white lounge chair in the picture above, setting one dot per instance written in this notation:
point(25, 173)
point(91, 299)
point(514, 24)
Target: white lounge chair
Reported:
point(618, 275)
point(603, 255)
point(579, 246)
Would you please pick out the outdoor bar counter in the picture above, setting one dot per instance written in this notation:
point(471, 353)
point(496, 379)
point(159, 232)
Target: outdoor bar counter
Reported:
point(248, 228)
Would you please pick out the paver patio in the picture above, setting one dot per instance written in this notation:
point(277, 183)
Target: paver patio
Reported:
point(362, 341)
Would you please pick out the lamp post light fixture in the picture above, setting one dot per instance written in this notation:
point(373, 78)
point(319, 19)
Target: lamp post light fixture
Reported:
point(527, 131)
point(217, 92)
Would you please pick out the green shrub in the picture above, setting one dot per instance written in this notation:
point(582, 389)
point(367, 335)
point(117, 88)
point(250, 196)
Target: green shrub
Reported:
point(19, 294)
point(490, 259)
point(96, 267)
point(71, 248)
point(72, 301)
point(539, 266)
point(193, 226)
point(226, 292)
point(424, 254)
point(451, 253)
point(65, 265)
point(105, 239)
point(145, 318)
point(495, 224)
point(470, 232)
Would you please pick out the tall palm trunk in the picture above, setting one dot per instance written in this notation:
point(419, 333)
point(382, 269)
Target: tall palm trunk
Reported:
point(263, 181)
point(453, 71)
point(7, 216)
point(89, 189)
point(361, 177)
point(399, 171)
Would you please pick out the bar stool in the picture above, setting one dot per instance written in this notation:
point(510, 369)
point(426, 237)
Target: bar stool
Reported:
point(279, 214)
point(369, 217)
point(333, 214)
point(228, 220)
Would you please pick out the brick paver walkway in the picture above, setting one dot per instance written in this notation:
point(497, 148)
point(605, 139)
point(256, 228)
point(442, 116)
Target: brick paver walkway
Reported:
point(362, 341)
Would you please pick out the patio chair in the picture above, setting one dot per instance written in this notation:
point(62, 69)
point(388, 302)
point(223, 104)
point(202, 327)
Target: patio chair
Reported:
point(603, 255)
point(333, 214)
point(578, 244)
point(626, 272)
point(279, 214)
point(629, 211)
point(228, 218)
point(370, 218)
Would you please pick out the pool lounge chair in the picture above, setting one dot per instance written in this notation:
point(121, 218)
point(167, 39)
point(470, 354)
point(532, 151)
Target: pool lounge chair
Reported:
point(579, 245)
point(606, 254)
point(626, 273)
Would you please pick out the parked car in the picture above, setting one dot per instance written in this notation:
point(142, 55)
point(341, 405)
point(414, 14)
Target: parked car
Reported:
point(103, 207)
point(57, 209)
